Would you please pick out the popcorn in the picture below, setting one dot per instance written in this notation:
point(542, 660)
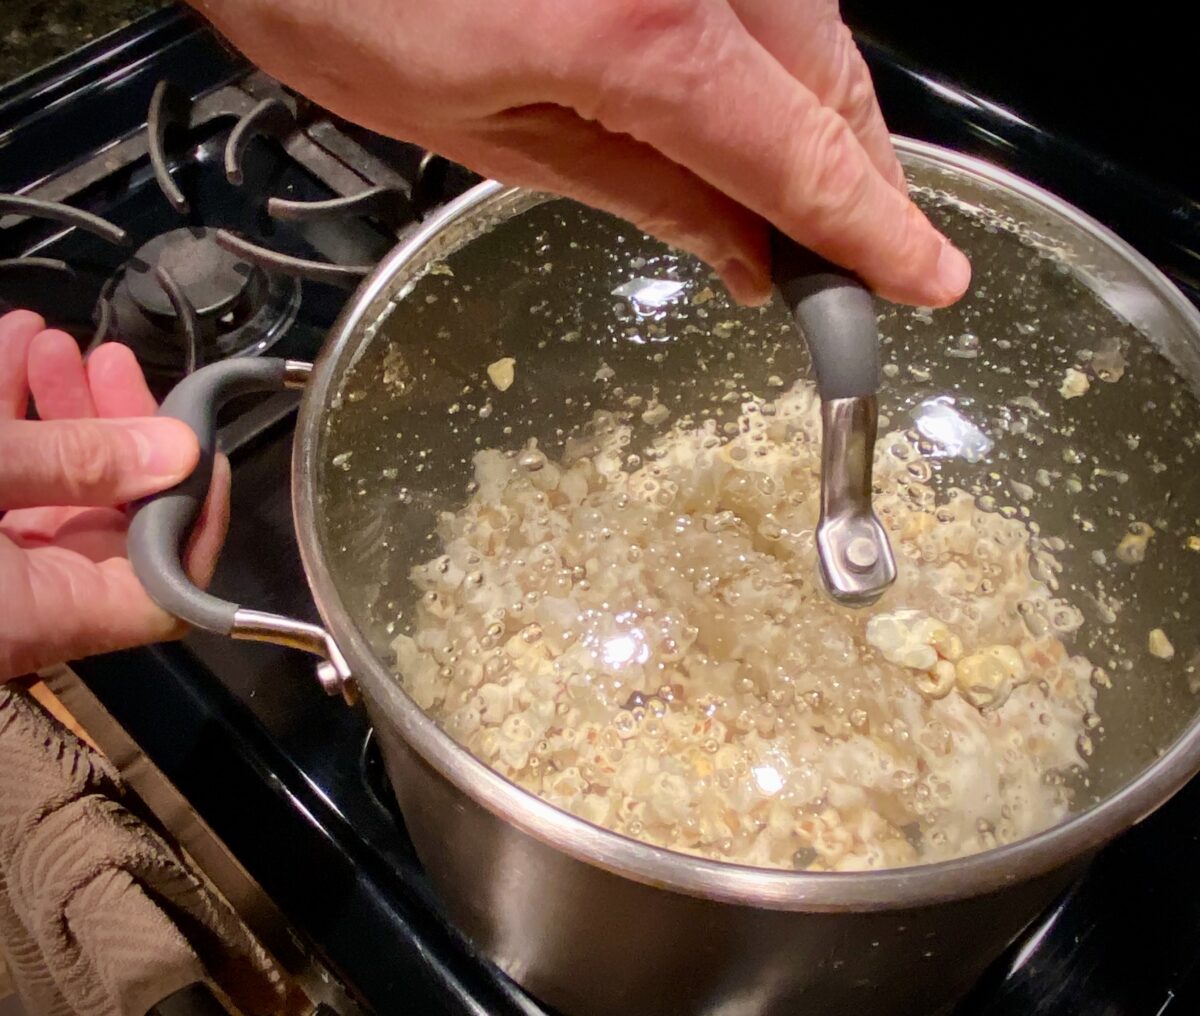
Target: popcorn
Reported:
point(939, 682)
point(1132, 548)
point(910, 638)
point(987, 678)
point(1159, 645)
point(495, 703)
point(649, 648)
point(1074, 384)
point(502, 372)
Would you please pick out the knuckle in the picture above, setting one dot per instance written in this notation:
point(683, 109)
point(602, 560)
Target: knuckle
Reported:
point(834, 177)
point(858, 94)
point(851, 91)
point(641, 20)
point(83, 457)
point(639, 51)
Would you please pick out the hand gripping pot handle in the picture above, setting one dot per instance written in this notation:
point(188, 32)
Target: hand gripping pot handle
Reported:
point(161, 523)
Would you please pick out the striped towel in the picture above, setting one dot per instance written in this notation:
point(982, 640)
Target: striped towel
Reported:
point(98, 915)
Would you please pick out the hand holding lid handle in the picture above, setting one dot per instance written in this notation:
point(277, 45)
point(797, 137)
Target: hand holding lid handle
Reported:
point(836, 315)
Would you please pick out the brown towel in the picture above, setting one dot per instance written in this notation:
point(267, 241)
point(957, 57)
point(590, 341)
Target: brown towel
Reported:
point(98, 916)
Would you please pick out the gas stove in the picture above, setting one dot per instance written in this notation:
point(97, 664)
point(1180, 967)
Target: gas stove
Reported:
point(221, 215)
point(162, 193)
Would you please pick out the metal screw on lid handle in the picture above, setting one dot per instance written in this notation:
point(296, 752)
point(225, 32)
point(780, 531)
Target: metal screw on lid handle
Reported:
point(836, 315)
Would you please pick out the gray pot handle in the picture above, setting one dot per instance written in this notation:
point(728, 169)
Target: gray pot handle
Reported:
point(836, 315)
point(161, 524)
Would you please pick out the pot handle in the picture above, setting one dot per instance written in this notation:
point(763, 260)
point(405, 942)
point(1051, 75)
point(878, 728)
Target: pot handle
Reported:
point(161, 523)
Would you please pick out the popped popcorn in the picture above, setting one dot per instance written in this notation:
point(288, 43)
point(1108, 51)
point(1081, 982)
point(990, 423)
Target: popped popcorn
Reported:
point(1074, 384)
point(987, 678)
point(502, 373)
point(1159, 645)
point(650, 649)
point(1132, 548)
point(910, 638)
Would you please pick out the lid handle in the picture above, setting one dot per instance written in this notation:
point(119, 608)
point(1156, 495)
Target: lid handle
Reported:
point(836, 315)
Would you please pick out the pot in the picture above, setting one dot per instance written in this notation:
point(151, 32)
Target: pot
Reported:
point(591, 921)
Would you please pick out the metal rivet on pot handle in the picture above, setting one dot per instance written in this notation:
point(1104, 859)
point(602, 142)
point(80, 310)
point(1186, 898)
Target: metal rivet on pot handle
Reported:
point(161, 524)
point(836, 315)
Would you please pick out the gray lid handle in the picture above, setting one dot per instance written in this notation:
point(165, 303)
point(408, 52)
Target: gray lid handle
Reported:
point(161, 523)
point(836, 313)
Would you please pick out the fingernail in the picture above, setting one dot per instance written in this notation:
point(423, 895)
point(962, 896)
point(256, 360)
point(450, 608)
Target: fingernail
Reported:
point(953, 271)
point(745, 284)
point(163, 449)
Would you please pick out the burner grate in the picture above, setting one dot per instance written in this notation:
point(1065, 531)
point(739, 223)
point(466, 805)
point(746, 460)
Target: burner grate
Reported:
point(242, 204)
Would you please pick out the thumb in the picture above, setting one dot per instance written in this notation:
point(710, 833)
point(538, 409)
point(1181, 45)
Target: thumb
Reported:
point(92, 462)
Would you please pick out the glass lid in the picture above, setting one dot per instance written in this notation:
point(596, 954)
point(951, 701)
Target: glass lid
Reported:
point(568, 490)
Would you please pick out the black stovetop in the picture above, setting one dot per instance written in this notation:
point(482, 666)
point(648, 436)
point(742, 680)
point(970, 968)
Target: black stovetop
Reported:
point(287, 777)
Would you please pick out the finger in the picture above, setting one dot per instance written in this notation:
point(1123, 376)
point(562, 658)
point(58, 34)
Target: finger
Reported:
point(208, 534)
point(68, 607)
point(117, 383)
point(35, 526)
point(17, 329)
point(92, 462)
point(551, 148)
point(814, 45)
point(729, 112)
point(95, 534)
point(56, 378)
point(100, 533)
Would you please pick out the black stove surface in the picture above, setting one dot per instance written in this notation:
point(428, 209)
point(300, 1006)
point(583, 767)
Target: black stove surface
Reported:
point(288, 777)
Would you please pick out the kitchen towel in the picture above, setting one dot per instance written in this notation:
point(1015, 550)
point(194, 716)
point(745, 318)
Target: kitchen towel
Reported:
point(98, 915)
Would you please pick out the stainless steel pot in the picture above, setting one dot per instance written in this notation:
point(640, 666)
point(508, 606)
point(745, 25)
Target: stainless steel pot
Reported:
point(591, 921)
